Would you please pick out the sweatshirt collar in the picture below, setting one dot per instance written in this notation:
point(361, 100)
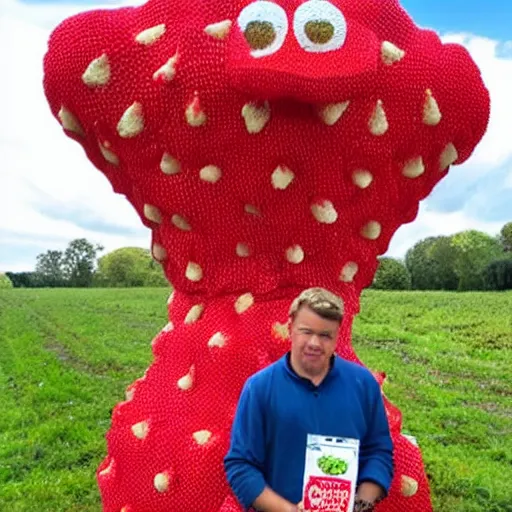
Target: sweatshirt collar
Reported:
point(333, 370)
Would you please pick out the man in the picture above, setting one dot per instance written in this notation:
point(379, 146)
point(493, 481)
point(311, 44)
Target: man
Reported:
point(309, 390)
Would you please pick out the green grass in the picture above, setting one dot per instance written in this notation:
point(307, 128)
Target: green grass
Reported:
point(448, 363)
point(66, 357)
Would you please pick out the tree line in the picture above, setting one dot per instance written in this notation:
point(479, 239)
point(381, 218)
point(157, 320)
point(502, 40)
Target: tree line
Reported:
point(466, 261)
point(79, 266)
point(469, 260)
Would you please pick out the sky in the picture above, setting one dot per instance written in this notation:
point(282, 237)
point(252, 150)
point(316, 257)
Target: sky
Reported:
point(51, 194)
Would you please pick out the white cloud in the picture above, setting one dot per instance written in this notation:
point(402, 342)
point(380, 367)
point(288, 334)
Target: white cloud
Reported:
point(431, 223)
point(495, 148)
point(40, 167)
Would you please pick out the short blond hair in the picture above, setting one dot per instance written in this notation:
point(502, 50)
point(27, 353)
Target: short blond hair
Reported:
point(321, 301)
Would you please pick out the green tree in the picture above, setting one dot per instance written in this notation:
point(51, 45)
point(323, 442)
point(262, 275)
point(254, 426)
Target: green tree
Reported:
point(156, 276)
point(417, 264)
point(498, 275)
point(442, 256)
point(431, 264)
point(25, 279)
point(474, 251)
point(5, 282)
point(50, 266)
point(129, 266)
point(79, 262)
point(391, 274)
point(506, 237)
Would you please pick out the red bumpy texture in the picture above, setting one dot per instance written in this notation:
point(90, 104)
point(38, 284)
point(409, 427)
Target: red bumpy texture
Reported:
point(269, 147)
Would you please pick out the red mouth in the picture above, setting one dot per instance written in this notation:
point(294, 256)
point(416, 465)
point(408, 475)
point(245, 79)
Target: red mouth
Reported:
point(312, 77)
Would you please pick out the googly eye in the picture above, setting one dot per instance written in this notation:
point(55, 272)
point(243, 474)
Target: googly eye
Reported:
point(319, 26)
point(264, 25)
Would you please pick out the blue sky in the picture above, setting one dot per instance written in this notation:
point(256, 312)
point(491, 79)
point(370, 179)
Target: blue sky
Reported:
point(51, 209)
point(490, 18)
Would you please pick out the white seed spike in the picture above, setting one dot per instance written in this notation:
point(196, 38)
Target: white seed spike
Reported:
point(362, 179)
point(242, 250)
point(140, 430)
point(109, 155)
point(219, 30)
point(371, 230)
point(332, 113)
point(152, 213)
point(282, 177)
point(414, 168)
point(324, 212)
point(97, 72)
point(202, 436)
point(194, 113)
point(349, 271)
point(217, 340)
point(256, 117)
point(159, 252)
point(194, 272)
point(131, 122)
point(431, 113)
point(169, 165)
point(378, 122)
point(249, 208)
point(391, 53)
point(150, 35)
point(180, 222)
point(168, 327)
point(448, 156)
point(187, 381)
point(70, 122)
point(168, 71)
point(210, 173)
point(295, 254)
point(161, 482)
point(194, 314)
point(129, 393)
point(108, 469)
point(409, 486)
point(280, 330)
point(244, 302)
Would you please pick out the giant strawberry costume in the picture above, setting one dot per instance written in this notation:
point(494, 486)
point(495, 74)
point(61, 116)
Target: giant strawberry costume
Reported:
point(269, 146)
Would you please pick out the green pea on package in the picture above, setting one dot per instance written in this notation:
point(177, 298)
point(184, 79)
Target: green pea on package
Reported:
point(330, 473)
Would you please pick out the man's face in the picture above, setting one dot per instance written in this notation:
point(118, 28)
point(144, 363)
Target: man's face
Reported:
point(313, 341)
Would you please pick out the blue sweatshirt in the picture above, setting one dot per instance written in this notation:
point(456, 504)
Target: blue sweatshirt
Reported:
point(278, 408)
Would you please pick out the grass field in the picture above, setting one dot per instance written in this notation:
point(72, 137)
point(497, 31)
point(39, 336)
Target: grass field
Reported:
point(66, 357)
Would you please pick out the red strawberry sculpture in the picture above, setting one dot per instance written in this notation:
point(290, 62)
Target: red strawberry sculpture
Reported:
point(269, 146)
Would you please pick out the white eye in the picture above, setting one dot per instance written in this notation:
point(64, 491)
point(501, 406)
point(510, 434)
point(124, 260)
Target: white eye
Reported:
point(264, 25)
point(319, 26)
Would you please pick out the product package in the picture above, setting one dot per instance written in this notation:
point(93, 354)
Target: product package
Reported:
point(330, 474)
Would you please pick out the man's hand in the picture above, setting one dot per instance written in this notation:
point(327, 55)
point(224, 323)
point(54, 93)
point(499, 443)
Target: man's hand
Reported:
point(368, 494)
point(270, 501)
point(368, 491)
